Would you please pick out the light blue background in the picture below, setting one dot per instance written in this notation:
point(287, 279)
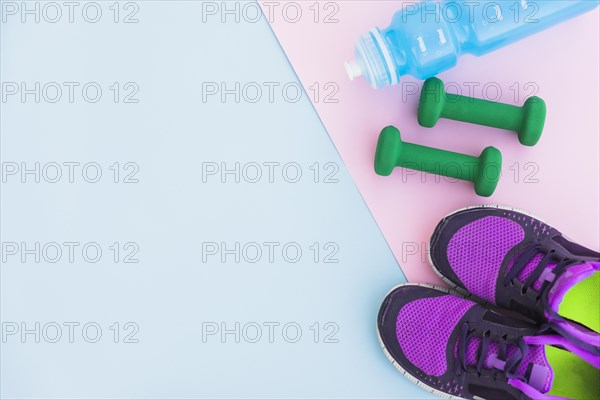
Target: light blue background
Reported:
point(170, 212)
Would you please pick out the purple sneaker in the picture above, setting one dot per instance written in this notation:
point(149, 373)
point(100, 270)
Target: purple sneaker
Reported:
point(515, 261)
point(459, 349)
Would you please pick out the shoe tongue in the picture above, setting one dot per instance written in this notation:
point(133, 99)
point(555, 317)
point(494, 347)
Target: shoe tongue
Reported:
point(534, 370)
point(567, 280)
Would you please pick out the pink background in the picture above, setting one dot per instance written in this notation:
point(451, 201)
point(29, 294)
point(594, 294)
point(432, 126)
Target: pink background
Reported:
point(557, 180)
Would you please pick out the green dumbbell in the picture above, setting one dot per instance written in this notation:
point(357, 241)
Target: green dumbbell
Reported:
point(483, 171)
point(527, 121)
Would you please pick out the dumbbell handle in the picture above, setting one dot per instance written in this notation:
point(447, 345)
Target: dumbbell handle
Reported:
point(490, 113)
point(440, 162)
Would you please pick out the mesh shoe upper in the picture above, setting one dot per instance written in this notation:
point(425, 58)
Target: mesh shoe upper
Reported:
point(476, 251)
point(437, 315)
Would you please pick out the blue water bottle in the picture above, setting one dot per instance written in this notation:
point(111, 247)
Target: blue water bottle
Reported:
point(427, 38)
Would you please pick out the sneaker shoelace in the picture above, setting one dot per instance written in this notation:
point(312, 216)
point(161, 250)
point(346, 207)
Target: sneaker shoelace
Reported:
point(485, 360)
point(542, 271)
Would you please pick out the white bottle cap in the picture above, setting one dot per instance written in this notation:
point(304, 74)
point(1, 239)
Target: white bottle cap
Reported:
point(353, 69)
